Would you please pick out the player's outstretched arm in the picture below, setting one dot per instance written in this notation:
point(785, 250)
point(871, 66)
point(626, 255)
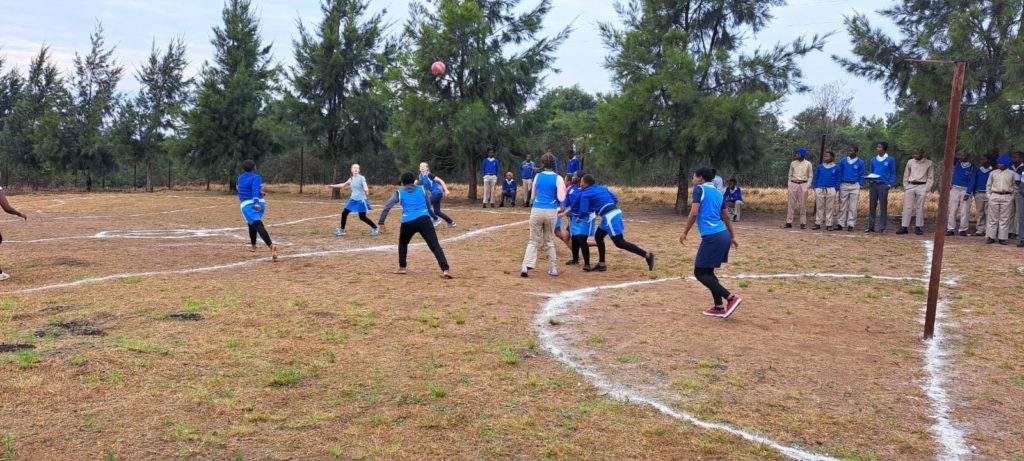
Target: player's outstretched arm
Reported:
point(6, 205)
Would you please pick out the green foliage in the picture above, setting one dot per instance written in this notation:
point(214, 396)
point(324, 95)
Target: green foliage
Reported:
point(34, 99)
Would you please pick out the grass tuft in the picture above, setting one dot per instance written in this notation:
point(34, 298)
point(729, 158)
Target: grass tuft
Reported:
point(286, 377)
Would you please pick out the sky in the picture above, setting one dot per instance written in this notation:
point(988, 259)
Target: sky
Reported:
point(134, 25)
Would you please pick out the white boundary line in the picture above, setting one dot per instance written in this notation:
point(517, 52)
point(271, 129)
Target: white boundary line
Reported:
point(218, 267)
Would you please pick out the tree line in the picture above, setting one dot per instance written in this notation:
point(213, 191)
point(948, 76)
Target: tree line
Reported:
point(685, 94)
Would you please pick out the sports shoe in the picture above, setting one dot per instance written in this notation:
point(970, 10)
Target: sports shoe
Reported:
point(734, 302)
point(485, 205)
point(376, 231)
point(650, 261)
point(572, 262)
point(1012, 236)
point(339, 232)
point(437, 222)
point(553, 271)
point(4, 276)
point(451, 225)
point(869, 230)
point(715, 312)
point(524, 273)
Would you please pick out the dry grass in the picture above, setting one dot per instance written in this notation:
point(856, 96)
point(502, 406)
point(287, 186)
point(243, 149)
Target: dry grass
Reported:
point(333, 357)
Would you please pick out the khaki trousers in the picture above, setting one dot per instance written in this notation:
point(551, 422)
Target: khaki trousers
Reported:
point(1013, 213)
point(957, 202)
point(490, 183)
point(797, 198)
point(913, 203)
point(528, 187)
point(849, 198)
point(824, 201)
point(998, 219)
point(981, 209)
point(542, 234)
point(734, 210)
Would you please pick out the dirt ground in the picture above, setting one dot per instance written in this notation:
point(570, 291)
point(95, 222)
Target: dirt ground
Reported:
point(157, 335)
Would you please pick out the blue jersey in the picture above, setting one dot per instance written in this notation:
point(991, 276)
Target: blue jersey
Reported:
point(826, 177)
point(709, 218)
point(509, 185)
point(597, 199)
point(885, 168)
point(427, 180)
point(572, 199)
point(546, 186)
point(572, 166)
point(526, 170)
point(962, 174)
point(851, 171)
point(249, 187)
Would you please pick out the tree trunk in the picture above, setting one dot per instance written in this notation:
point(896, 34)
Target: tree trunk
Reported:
point(88, 181)
point(149, 175)
point(232, 185)
point(207, 183)
point(471, 174)
point(682, 188)
point(135, 174)
point(169, 179)
point(335, 193)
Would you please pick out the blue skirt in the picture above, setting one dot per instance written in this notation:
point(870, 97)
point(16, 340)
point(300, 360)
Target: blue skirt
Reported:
point(612, 224)
point(249, 211)
point(713, 251)
point(358, 206)
point(582, 226)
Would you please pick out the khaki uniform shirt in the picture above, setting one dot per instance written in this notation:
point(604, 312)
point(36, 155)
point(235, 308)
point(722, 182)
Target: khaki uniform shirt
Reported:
point(918, 171)
point(800, 170)
point(1000, 181)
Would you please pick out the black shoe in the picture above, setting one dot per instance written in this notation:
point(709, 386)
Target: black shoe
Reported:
point(524, 274)
point(901, 231)
point(918, 231)
point(1012, 236)
point(587, 268)
point(869, 230)
point(650, 261)
point(1002, 242)
point(502, 205)
point(572, 262)
point(816, 227)
point(601, 269)
point(849, 228)
point(963, 233)
point(485, 205)
point(950, 233)
point(788, 226)
point(989, 241)
point(803, 226)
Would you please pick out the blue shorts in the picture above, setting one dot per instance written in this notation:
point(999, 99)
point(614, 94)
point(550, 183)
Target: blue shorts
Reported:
point(249, 211)
point(358, 206)
point(582, 225)
point(713, 251)
point(611, 223)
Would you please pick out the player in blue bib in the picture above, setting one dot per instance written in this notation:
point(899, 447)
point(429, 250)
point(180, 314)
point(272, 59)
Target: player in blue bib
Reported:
point(712, 218)
point(438, 190)
point(250, 193)
point(9, 210)
point(357, 203)
point(601, 202)
point(581, 226)
point(417, 218)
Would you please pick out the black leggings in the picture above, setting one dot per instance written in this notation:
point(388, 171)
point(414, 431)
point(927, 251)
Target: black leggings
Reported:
point(362, 217)
point(425, 227)
point(579, 244)
point(619, 241)
point(706, 276)
point(257, 228)
point(435, 201)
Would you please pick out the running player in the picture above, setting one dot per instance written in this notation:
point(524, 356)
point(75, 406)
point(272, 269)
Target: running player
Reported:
point(417, 218)
point(250, 193)
point(598, 199)
point(10, 210)
point(712, 218)
point(357, 203)
point(438, 190)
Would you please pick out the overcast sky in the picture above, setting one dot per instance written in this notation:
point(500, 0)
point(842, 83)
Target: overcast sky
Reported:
point(132, 25)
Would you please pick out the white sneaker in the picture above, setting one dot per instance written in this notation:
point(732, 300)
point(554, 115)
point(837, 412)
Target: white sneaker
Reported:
point(4, 276)
point(452, 225)
point(437, 222)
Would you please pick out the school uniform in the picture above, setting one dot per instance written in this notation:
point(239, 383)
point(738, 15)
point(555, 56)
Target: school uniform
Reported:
point(800, 175)
point(917, 181)
point(1000, 198)
point(734, 202)
point(490, 170)
point(826, 189)
point(508, 191)
point(417, 218)
point(885, 167)
point(851, 178)
point(1017, 208)
point(572, 166)
point(526, 172)
point(959, 197)
point(979, 190)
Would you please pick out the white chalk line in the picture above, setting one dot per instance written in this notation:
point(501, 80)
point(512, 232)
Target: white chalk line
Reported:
point(218, 267)
point(954, 443)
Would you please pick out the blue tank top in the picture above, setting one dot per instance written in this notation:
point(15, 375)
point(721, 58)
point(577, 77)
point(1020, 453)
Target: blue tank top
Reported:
point(546, 185)
point(414, 204)
point(709, 218)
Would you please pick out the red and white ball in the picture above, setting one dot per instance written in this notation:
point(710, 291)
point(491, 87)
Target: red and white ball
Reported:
point(438, 68)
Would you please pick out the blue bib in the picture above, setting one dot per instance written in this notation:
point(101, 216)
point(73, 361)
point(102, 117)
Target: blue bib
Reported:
point(546, 185)
point(414, 204)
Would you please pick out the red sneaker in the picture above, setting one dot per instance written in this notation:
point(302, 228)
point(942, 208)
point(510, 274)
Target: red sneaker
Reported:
point(734, 302)
point(715, 312)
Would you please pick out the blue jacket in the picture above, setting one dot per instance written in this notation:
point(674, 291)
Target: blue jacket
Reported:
point(886, 169)
point(596, 199)
point(733, 195)
point(851, 172)
point(961, 175)
point(249, 187)
point(509, 186)
point(979, 180)
point(572, 200)
point(490, 166)
point(526, 170)
point(826, 177)
point(572, 166)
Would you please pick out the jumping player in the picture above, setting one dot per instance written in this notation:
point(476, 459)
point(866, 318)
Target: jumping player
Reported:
point(417, 218)
point(10, 210)
point(357, 203)
point(601, 201)
point(712, 218)
point(250, 193)
point(438, 190)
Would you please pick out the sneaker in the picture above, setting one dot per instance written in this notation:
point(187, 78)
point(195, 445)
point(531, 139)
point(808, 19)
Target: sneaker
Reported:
point(869, 230)
point(572, 262)
point(734, 302)
point(339, 232)
point(990, 241)
point(524, 272)
point(553, 271)
point(902, 230)
point(375, 232)
point(4, 276)
point(716, 311)
point(437, 222)
point(788, 226)
point(918, 231)
point(650, 261)
point(816, 227)
point(950, 233)
point(734, 219)
point(451, 225)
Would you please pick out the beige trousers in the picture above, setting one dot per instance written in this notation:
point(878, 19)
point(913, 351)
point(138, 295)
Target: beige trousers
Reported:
point(981, 208)
point(797, 198)
point(957, 202)
point(1013, 213)
point(734, 211)
point(825, 201)
point(998, 218)
point(913, 203)
point(849, 198)
point(490, 183)
point(528, 187)
point(542, 234)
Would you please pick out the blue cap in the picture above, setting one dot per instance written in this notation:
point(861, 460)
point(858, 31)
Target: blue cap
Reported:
point(801, 151)
point(1005, 160)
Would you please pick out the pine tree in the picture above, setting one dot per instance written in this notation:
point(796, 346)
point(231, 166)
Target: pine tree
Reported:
point(39, 91)
point(158, 109)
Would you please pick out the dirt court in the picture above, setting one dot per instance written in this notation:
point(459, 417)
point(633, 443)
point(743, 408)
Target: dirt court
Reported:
point(138, 326)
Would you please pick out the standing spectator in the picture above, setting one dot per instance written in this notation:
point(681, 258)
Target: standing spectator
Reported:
point(734, 200)
point(960, 196)
point(883, 177)
point(526, 171)
point(1017, 209)
point(490, 171)
point(718, 182)
point(851, 175)
point(917, 182)
point(800, 175)
point(826, 188)
point(508, 190)
point(1000, 195)
point(573, 164)
point(978, 190)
